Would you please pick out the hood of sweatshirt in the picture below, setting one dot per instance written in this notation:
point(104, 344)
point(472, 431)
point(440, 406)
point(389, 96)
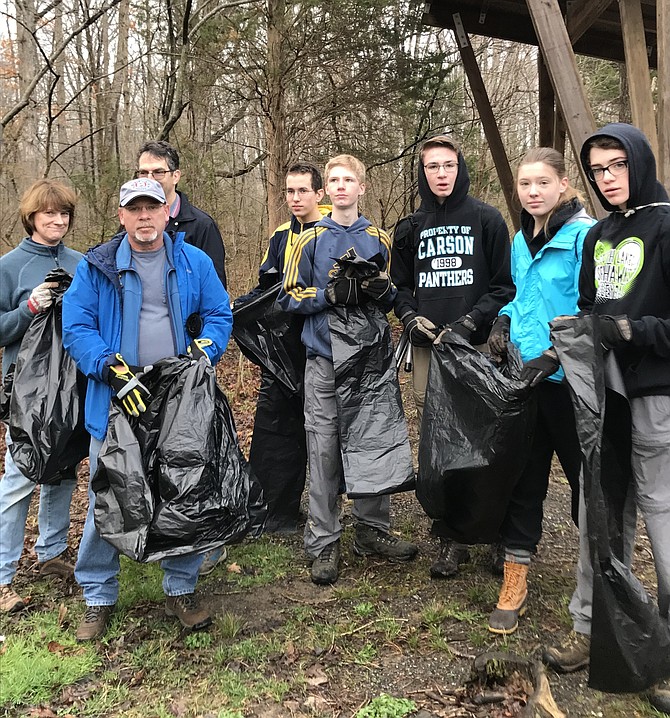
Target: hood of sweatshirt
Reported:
point(643, 186)
point(360, 224)
point(429, 201)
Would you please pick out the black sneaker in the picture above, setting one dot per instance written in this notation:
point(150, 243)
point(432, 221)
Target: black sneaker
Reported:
point(325, 566)
point(371, 541)
point(450, 557)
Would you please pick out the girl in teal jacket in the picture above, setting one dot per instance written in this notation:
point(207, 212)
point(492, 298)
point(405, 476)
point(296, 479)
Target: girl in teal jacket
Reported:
point(546, 258)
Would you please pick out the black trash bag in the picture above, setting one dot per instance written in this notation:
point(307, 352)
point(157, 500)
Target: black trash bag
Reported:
point(174, 481)
point(271, 338)
point(476, 436)
point(6, 392)
point(376, 454)
point(630, 641)
point(46, 413)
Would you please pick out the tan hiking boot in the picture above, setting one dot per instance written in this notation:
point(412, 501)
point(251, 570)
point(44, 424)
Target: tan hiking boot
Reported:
point(94, 622)
point(188, 611)
point(10, 601)
point(571, 655)
point(60, 566)
point(512, 599)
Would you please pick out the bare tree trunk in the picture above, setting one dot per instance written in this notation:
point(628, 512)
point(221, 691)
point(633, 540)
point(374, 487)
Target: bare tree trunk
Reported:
point(274, 111)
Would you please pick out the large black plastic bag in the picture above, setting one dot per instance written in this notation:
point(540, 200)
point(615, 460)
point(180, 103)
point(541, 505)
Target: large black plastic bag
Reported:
point(270, 337)
point(376, 454)
point(630, 641)
point(46, 413)
point(476, 437)
point(174, 481)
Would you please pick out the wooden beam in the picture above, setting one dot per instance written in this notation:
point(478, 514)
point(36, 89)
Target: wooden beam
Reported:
point(488, 119)
point(663, 77)
point(637, 69)
point(557, 51)
point(582, 14)
point(546, 102)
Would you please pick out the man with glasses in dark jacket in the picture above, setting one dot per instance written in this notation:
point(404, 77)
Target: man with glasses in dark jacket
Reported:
point(160, 161)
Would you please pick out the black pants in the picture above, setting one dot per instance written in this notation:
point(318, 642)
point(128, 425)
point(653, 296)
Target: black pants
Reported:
point(278, 454)
point(555, 432)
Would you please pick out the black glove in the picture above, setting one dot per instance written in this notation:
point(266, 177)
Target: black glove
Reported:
point(422, 332)
point(377, 287)
point(343, 290)
point(196, 349)
point(538, 369)
point(499, 336)
point(464, 327)
point(614, 331)
point(129, 390)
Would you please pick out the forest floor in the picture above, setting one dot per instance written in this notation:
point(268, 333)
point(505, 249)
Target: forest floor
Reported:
point(385, 641)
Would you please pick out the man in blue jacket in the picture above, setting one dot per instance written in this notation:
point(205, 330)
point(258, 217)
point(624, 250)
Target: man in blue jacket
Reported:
point(127, 308)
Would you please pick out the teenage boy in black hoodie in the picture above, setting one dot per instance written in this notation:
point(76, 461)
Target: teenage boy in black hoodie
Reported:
point(625, 280)
point(451, 265)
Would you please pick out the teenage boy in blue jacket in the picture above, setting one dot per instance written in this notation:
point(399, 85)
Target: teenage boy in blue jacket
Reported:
point(127, 308)
point(308, 290)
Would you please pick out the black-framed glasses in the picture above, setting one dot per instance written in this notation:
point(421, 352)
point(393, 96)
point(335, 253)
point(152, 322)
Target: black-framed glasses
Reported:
point(432, 168)
point(157, 174)
point(616, 169)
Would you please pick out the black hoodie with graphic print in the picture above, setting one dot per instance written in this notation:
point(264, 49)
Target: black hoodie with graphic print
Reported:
point(626, 265)
point(453, 258)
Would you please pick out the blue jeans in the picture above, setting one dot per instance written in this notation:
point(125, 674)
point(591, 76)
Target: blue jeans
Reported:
point(53, 517)
point(97, 569)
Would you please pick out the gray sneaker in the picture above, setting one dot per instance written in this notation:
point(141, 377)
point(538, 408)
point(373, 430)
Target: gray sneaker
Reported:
point(659, 696)
point(571, 655)
point(212, 559)
point(371, 541)
point(325, 567)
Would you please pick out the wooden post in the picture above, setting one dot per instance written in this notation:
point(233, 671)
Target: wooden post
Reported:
point(637, 68)
point(487, 118)
point(553, 39)
point(546, 102)
point(663, 52)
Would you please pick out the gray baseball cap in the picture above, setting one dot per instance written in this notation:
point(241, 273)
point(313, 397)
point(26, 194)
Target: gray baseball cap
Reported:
point(141, 187)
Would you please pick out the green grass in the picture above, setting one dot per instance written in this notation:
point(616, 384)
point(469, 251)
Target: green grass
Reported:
point(385, 706)
point(261, 562)
point(41, 659)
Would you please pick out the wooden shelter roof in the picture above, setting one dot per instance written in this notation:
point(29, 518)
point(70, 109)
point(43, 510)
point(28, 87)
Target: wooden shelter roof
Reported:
point(594, 26)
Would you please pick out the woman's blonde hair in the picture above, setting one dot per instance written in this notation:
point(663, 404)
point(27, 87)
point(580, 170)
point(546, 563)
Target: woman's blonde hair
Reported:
point(43, 195)
point(554, 159)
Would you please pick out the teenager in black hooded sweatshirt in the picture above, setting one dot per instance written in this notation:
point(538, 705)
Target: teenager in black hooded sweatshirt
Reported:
point(625, 280)
point(451, 265)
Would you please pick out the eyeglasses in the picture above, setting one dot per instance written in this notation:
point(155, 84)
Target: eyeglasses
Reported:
point(432, 168)
point(302, 192)
point(141, 208)
point(156, 174)
point(616, 169)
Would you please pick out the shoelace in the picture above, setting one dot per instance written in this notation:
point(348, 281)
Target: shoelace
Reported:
point(92, 613)
point(327, 553)
point(187, 601)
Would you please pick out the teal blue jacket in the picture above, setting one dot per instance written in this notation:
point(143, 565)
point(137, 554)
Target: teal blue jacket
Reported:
point(547, 285)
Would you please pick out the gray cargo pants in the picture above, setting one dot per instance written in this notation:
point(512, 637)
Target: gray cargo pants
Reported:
point(651, 474)
point(326, 474)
